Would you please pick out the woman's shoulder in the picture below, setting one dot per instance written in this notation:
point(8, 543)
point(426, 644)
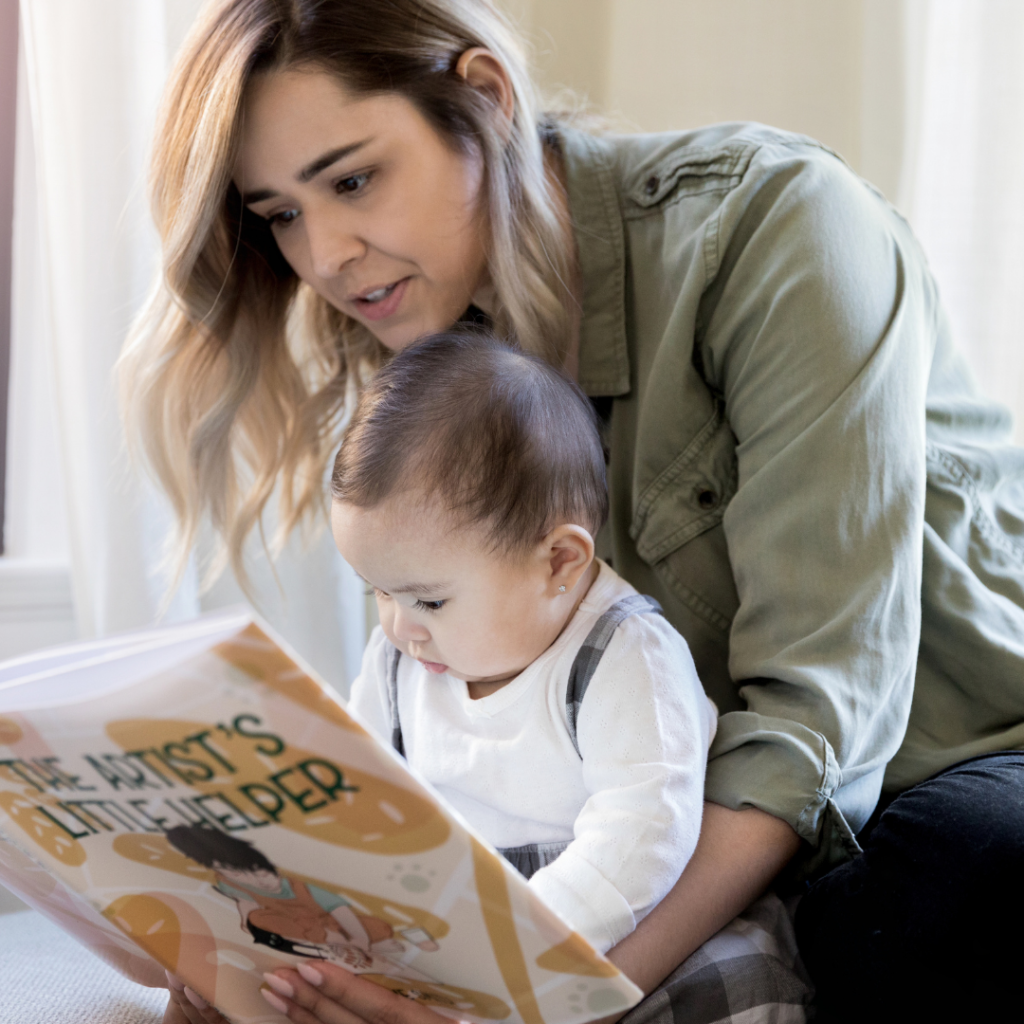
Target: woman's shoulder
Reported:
point(650, 169)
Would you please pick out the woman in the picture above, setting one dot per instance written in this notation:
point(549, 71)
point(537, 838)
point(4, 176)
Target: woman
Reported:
point(800, 471)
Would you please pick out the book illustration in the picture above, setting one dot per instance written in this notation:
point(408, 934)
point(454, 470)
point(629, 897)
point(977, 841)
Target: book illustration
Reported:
point(222, 816)
point(287, 913)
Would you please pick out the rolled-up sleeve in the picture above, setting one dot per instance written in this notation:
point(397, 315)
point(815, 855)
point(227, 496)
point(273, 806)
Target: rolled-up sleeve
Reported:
point(819, 340)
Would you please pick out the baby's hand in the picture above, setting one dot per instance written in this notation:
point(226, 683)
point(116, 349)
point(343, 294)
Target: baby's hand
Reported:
point(186, 1007)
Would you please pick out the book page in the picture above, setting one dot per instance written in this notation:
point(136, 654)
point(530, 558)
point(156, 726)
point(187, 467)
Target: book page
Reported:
point(228, 817)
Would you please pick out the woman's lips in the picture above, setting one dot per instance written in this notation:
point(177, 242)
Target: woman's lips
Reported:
point(433, 666)
point(385, 301)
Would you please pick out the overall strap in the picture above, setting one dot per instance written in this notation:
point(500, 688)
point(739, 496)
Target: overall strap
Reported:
point(394, 656)
point(590, 653)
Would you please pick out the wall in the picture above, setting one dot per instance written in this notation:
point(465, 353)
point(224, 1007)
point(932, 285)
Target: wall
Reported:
point(832, 69)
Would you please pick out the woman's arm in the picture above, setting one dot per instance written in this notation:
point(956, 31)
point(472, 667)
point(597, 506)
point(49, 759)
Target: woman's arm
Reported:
point(737, 856)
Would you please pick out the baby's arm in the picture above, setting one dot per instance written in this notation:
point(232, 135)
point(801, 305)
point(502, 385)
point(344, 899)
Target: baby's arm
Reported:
point(644, 730)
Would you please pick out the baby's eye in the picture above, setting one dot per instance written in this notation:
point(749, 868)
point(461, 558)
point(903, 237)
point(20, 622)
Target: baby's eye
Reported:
point(372, 591)
point(430, 606)
point(352, 183)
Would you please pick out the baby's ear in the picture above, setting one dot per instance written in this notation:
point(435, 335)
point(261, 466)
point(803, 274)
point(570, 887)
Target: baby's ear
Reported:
point(569, 552)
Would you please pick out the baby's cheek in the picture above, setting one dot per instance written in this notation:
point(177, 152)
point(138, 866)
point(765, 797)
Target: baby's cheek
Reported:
point(387, 622)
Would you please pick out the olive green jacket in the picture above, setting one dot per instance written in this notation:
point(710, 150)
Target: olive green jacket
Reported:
point(801, 470)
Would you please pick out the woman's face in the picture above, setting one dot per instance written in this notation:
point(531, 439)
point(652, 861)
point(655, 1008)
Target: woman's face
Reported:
point(368, 203)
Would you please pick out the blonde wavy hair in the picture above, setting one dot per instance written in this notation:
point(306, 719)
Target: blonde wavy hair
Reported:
point(235, 376)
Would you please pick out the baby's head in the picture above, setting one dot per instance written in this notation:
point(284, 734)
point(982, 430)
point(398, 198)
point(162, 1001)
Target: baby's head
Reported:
point(468, 490)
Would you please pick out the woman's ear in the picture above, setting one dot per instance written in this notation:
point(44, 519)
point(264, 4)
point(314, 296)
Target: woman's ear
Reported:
point(568, 552)
point(483, 71)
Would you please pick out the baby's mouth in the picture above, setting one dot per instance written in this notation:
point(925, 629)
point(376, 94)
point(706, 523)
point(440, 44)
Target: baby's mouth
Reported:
point(433, 666)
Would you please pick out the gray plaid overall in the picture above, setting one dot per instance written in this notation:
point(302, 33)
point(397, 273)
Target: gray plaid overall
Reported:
point(532, 857)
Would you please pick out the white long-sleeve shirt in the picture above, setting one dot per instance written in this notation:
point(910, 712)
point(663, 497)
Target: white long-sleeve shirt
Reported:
point(629, 803)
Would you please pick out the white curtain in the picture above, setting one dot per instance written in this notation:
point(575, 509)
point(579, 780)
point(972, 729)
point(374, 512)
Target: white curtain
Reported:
point(963, 187)
point(84, 253)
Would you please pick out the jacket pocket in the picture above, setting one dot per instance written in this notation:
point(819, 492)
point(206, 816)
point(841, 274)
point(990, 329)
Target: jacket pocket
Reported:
point(677, 524)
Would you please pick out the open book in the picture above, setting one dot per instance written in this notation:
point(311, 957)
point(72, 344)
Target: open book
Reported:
point(194, 798)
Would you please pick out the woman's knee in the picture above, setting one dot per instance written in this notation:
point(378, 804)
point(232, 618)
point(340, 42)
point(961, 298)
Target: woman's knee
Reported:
point(920, 916)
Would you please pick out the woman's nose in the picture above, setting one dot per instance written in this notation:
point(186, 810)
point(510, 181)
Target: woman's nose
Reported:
point(332, 245)
point(406, 628)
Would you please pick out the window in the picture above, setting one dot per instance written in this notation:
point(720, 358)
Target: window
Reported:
point(8, 106)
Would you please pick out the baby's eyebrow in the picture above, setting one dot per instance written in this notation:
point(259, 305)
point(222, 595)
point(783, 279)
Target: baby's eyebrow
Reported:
point(427, 589)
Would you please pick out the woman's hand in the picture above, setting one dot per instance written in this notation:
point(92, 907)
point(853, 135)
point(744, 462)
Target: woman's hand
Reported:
point(185, 1007)
point(327, 994)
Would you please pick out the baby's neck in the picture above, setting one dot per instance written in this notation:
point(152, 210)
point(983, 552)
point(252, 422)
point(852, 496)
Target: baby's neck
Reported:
point(478, 690)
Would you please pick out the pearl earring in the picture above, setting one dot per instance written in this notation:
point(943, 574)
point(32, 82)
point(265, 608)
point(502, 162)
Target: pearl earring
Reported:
point(561, 589)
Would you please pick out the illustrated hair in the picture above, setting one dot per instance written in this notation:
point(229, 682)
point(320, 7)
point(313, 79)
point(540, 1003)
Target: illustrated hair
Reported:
point(499, 437)
point(235, 376)
point(207, 846)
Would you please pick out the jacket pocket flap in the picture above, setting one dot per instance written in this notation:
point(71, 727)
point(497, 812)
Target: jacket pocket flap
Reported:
point(693, 171)
point(690, 495)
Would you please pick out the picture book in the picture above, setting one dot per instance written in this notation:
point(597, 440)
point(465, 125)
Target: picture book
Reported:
point(194, 798)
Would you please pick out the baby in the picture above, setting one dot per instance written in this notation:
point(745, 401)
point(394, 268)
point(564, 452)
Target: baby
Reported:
point(550, 703)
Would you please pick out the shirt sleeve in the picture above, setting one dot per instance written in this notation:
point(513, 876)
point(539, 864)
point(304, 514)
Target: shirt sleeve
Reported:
point(369, 698)
point(819, 337)
point(325, 900)
point(643, 734)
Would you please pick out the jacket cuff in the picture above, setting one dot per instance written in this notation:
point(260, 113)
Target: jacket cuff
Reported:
point(787, 770)
point(585, 900)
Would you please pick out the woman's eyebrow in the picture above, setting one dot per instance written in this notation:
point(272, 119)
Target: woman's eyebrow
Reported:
point(308, 173)
point(311, 170)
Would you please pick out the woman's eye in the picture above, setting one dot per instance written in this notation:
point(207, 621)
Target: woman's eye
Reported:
point(282, 219)
point(352, 183)
point(430, 606)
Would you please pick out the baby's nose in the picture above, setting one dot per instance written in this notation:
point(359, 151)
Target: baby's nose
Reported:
point(408, 629)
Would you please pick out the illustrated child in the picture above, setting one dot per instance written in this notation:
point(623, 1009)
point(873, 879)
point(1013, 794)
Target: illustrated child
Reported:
point(293, 916)
point(548, 701)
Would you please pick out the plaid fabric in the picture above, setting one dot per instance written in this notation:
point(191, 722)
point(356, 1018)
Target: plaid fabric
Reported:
point(531, 858)
point(749, 973)
point(590, 653)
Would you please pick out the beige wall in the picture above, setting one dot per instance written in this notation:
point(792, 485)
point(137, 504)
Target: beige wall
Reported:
point(829, 68)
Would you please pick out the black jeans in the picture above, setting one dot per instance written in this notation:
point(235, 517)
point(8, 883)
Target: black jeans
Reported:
point(928, 924)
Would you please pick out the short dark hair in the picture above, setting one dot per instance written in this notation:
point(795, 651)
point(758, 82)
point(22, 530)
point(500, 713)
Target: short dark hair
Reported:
point(207, 846)
point(500, 437)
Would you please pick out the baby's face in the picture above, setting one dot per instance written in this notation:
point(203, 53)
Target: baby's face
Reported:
point(444, 597)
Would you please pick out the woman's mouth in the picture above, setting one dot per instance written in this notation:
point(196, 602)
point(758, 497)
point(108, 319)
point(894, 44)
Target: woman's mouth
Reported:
point(380, 302)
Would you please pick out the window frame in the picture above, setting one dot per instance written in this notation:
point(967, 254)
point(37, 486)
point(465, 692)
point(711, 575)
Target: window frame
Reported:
point(8, 129)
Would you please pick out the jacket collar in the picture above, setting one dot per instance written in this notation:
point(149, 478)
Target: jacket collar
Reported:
point(600, 240)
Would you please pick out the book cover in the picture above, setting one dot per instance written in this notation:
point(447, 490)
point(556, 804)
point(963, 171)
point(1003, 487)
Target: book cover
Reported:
point(193, 798)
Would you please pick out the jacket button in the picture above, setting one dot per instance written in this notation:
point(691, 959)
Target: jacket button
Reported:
point(652, 184)
point(707, 499)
